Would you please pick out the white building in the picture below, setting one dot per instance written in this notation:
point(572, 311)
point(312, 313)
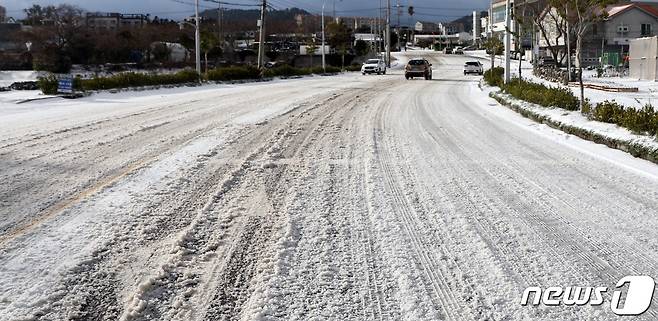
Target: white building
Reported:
point(110, 21)
point(477, 26)
point(460, 38)
point(449, 28)
point(426, 27)
point(643, 58)
point(498, 15)
point(367, 37)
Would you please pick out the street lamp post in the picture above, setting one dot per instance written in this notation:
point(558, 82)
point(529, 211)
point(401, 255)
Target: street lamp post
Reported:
point(508, 42)
point(324, 63)
point(388, 34)
point(197, 38)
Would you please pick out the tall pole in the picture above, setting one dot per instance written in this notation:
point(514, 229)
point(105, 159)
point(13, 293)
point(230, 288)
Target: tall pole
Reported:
point(566, 8)
point(388, 33)
point(508, 42)
point(197, 39)
point(535, 45)
point(219, 22)
point(380, 30)
point(334, 16)
point(261, 38)
point(372, 31)
point(324, 60)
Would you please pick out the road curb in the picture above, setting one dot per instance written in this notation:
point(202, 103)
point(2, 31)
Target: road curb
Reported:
point(632, 147)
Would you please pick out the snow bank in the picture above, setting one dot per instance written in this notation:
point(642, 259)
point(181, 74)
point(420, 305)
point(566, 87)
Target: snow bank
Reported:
point(9, 77)
point(647, 94)
point(573, 122)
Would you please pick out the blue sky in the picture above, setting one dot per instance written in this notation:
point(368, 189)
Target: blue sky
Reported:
point(433, 10)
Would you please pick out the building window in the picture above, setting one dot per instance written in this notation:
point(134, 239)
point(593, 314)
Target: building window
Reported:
point(646, 29)
point(499, 14)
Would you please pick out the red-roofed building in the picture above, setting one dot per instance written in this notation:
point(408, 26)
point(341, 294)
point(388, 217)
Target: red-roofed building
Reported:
point(625, 21)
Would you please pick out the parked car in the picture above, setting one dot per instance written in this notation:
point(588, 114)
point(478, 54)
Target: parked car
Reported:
point(418, 67)
point(473, 67)
point(459, 51)
point(447, 50)
point(372, 66)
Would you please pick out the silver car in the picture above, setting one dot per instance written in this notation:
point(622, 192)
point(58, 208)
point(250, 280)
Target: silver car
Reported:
point(473, 67)
point(372, 66)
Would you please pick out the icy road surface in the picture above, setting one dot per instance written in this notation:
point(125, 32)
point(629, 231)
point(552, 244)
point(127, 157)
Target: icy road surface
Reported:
point(326, 198)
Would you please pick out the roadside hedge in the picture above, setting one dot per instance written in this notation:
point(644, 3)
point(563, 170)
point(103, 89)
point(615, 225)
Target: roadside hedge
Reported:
point(49, 84)
point(132, 79)
point(547, 96)
point(494, 77)
point(637, 149)
point(329, 70)
point(641, 121)
point(286, 71)
point(233, 73)
point(560, 97)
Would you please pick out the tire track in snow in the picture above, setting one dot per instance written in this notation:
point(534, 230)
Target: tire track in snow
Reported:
point(446, 299)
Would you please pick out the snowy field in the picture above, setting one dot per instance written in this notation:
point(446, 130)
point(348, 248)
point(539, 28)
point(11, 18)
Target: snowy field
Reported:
point(9, 77)
point(324, 198)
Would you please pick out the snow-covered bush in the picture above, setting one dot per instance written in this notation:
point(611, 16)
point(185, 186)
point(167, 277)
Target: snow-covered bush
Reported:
point(560, 97)
point(286, 70)
point(133, 79)
point(48, 85)
point(494, 77)
point(233, 73)
point(642, 121)
point(608, 112)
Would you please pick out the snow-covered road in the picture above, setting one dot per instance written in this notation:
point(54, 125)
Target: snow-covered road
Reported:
point(326, 198)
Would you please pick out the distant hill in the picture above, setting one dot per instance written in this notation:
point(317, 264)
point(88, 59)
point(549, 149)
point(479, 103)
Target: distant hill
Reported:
point(467, 21)
point(254, 14)
point(241, 20)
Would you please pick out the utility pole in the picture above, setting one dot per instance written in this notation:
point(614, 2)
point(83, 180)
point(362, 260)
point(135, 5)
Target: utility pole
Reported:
point(334, 16)
point(566, 8)
point(508, 42)
point(197, 39)
point(388, 33)
point(261, 38)
point(372, 30)
point(380, 33)
point(399, 28)
point(324, 60)
point(219, 23)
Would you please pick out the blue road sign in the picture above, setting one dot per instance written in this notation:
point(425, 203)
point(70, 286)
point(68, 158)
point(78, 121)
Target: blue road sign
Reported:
point(65, 85)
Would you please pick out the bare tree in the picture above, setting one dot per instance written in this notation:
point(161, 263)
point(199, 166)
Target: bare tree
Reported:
point(552, 28)
point(494, 47)
point(581, 14)
point(55, 30)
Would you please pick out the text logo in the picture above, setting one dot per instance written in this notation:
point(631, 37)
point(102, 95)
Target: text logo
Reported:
point(636, 301)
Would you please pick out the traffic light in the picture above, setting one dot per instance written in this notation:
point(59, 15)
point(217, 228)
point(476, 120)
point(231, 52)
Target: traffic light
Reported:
point(411, 10)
